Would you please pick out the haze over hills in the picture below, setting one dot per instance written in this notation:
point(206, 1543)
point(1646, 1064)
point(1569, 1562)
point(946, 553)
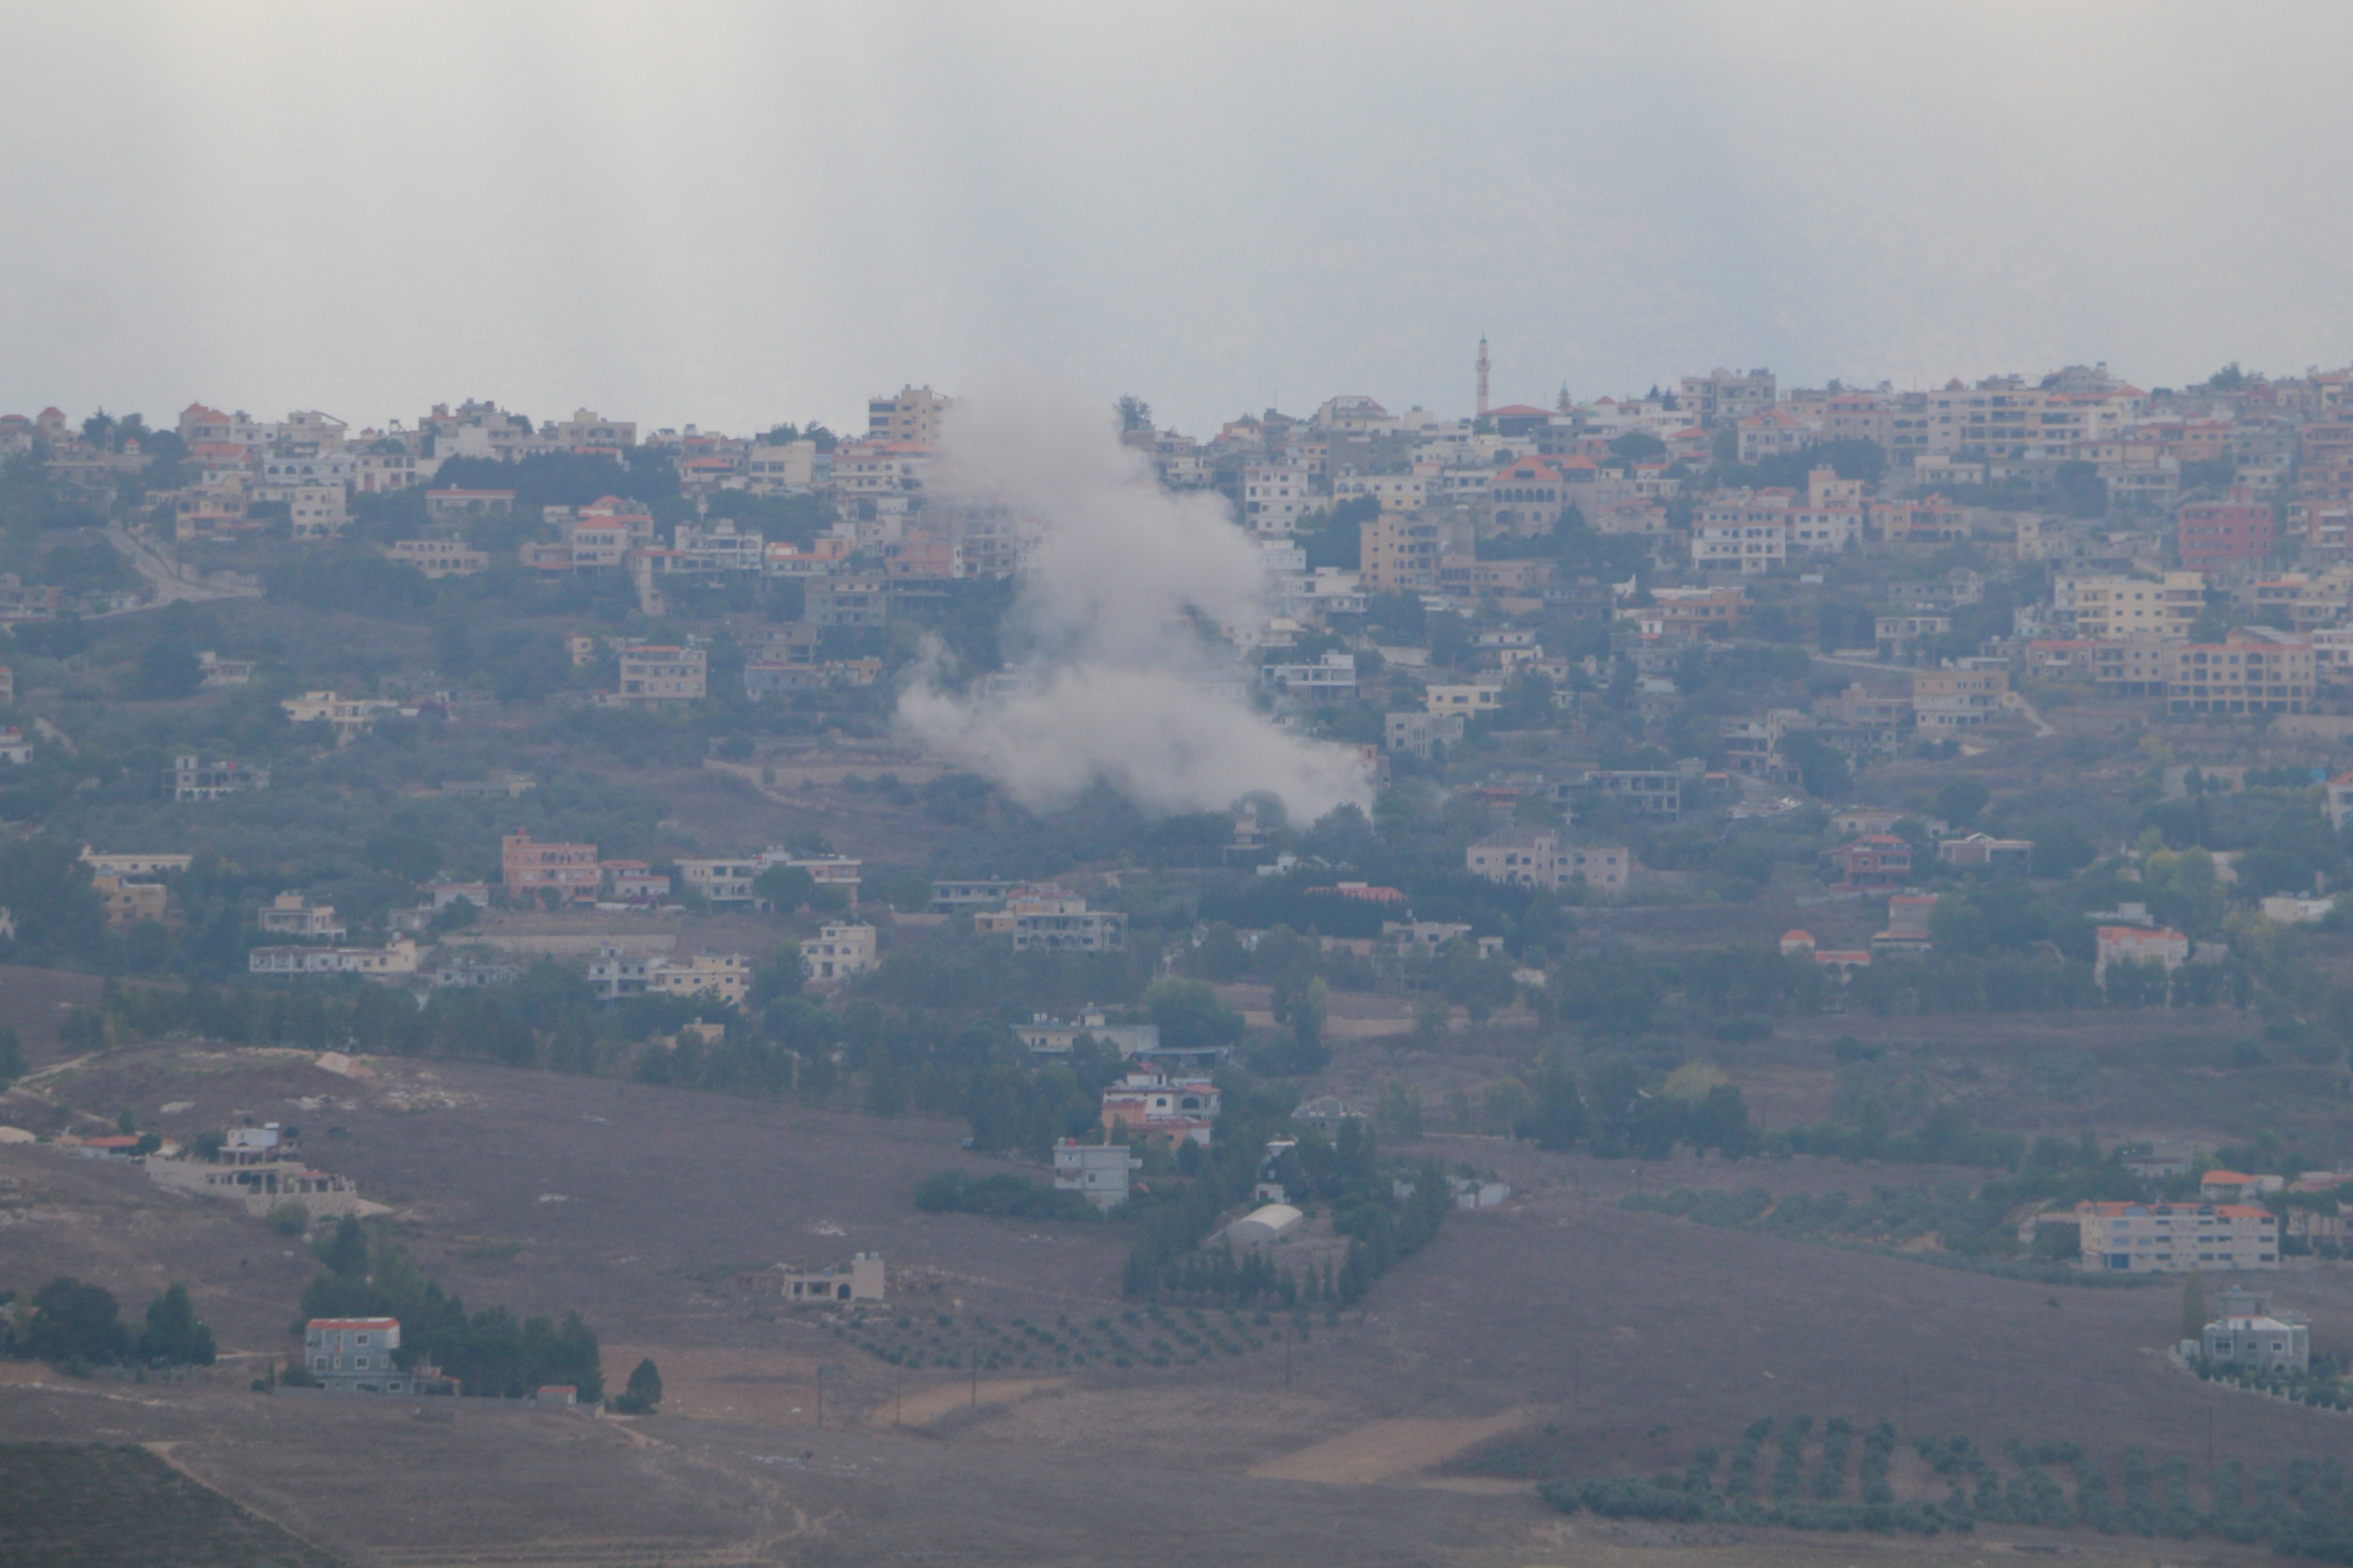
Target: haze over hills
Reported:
point(1561, 788)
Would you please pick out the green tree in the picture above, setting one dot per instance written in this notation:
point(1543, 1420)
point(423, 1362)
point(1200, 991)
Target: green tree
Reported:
point(344, 1249)
point(1135, 413)
point(785, 887)
point(174, 1336)
point(1189, 1015)
point(404, 851)
point(75, 1322)
point(12, 1056)
point(1960, 800)
point(167, 668)
point(2194, 1314)
point(643, 1395)
point(1398, 1110)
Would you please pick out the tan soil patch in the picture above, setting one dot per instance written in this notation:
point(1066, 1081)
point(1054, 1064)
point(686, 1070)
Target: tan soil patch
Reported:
point(1385, 1449)
point(931, 1403)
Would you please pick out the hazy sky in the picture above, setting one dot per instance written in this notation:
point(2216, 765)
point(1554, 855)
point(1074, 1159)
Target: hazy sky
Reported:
point(737, 213)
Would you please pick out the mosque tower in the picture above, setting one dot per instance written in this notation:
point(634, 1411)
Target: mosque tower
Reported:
point(1483, 375)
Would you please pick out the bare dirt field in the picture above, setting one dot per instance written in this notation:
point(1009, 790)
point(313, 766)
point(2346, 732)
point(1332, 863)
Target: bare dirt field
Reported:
point(1384, 1450)
point(1637, 1336)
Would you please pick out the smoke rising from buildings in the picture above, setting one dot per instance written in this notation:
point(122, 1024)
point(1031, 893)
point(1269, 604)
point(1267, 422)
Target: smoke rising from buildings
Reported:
point(1115, 677)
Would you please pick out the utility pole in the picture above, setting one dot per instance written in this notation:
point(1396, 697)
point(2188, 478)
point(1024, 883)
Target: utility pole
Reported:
point(1903, 1410)
point(1286, 1361)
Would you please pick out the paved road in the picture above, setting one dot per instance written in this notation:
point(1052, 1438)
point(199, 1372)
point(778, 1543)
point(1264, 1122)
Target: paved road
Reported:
point(174, 582)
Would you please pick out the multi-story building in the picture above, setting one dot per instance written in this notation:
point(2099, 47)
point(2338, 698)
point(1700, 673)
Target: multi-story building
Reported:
point(2136, 944)
point(2254, 671)
point(1274, 496)
point(1096, 1172)
point(1536, 857)
point(354, 1355)
point(1330, 679)
point(1724, 396)
point(1958, 699)
point(839, 951)
point(723, 977)
point(1417, 731)
point(350, 716)
point(2108, 609)
point(1527, 497)
point(316, 511)
point(587, 428)
point(1156, 1107)
point(527, 868)
point(722, 882)
point(2212, 535)
point(440, 557)
point(1399, 554)
point(2258, 1341)
point(918, 414)
point(1741, 532)
point(190, 778)
point(2177, 1239)
point(395, 962)
point(291, 914)
point(652, 673)
point(840, 604)
point(1696, 612)
point(1051, 920)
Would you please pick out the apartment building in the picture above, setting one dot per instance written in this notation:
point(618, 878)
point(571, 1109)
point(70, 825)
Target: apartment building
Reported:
point(1399, 554)
point(2254, 671)
point(291, 914)
point(1743, 532)
point(395, 962)
point(191, 778)
point(651, 674)
point(1958, 699)
point(721, 882)
point(1051, 920)
point(2177, 1239)
point(2109, 609)
point(1724, 396)
point(2215, 534)
point(917, 414)
point(840, 951)
point(526, 868)
point(440, 557)
point(723, 976)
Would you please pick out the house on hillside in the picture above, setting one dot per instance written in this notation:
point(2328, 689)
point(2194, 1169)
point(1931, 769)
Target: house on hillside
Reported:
point(353, 1355)
point(863, 1280)
point(1907, 924)
point(1098, 1172)
point(2135, 944)
point(1156, 1107)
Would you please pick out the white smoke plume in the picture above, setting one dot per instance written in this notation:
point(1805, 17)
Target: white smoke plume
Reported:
point(1115, 671)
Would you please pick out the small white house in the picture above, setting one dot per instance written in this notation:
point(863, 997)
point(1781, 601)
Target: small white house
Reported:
point(861, 1281)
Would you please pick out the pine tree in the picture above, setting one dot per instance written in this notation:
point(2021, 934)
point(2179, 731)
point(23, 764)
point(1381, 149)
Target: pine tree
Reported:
point(2194, 1316)
point(644, 1394)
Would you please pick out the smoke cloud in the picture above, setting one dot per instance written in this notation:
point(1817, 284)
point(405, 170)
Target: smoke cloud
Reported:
point(1116, 677)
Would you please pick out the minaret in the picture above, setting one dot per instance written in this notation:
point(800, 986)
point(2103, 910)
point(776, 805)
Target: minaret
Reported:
point(1483, 375)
